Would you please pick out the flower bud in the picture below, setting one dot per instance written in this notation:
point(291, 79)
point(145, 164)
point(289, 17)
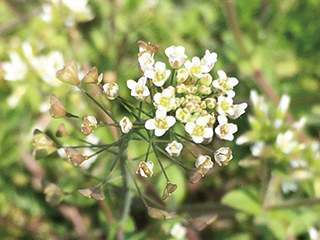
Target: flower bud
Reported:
point(169, 189)
point(203, 105)
point(206, 80)
point(43, 145)
point(91, 76)
point(203, 164)
point(182, 75)
point(111, 90)
point(160, 214)
point(193, 106)
point(204, 90)
point(202, 222)
point(69, 74)
point(211, 103)
point(74, 157)
point(57, 110)
point(88, 125)
point(197, 99)
point(125, 125)
point(183, 115)
point(174, 148)
point(223, 156)
point(145, 169)
point(100, 78)
point(62, 131)
point(181, 88)
point(94, 192)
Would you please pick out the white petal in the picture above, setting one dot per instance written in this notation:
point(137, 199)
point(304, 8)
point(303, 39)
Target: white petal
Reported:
point(142, 81)
point(231, 94)
point(208, 132)
point(131, 84)
point(217, 131)
point(188, 65)
point(168, 51)
point(160, 66)
point(222, 74)
point(156, 98)
point(233, 82)
point(161, 114)
point(228, 137)
point(201, 121)
point(232, 128)
point(195, 60)
point(149, 74)
point(146, 91)
point(159, 83)
point(216, 84)
point(284, 103)
point(170, 121)
point(189, 127)
point(150, 124)
point(222, 120)
point(159, 132)
point(168, 72)
point(197, 139)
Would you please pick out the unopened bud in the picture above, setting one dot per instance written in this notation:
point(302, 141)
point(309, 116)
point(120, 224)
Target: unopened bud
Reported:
point(181, 88)
point(206, 80)
point(111, 90)
point(183, 115)
point(211, 103)
point(125, 125)
point(88, 125)
point(74, 157)
point(91, 76)
point(57, 110)
point(69, 74)
point(182, 75)
point(204, 90)
point(203, 105)
point(223, 156)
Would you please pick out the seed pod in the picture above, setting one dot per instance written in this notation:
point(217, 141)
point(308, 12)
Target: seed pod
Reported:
point(169, 189)
point(57, 110)
point(91, 76)
point(74, 157)
point(69, 74)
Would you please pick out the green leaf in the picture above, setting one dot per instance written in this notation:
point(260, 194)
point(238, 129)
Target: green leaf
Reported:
point(245, 200)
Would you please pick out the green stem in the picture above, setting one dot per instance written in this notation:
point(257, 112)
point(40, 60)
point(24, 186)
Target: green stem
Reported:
point(173, 159)
point(160, 163)
point(294, 203)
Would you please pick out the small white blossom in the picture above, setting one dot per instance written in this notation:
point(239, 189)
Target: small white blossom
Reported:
point(15, 97)
point(277, 123)
point(16, 69)
point(314, 234)
point(258, 102)
point(298, 163)
point(238, 110)
point(225, 84)
point(161, 123)
point(194, 67)
point(183, 115)
point(176, 56)
point(225, 130)
point(208, 61)
point(111, 90)
point(182, 75)
point(146, 62)
point(286, 142)
point(289, 185)
point(125, 124)
point(257, 148)
point(223, 156)
point(139, 90)
point(165, 101)
point(145, 169)
point(225, 106)
point(159, 74)
point(27, 51)
point(178, 231)
point(242, 140)
point(203, 164)
point(174, 148)
point(284, 104)
point(199, 130)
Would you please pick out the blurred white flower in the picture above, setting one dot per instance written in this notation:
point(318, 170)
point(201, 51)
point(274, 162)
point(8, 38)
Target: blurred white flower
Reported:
point(286, 142)
point(289, 185)
point(165, 101)
point(159, 74)
point(15, 97)
point(199, 130)
point(139, 90)
point(225, 83)
point(314, 234)
point(161, 123)
point(238, 110)
point(174, 148)
point(203, 164)
point(176, 56)
point(16, 69)
point(284, 104)
point(208, 61)
point(111, 90)
point(178, 231)
point(225, 130)
point(257, 149)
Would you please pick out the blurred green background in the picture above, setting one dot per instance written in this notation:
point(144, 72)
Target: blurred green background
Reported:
point(271, 46)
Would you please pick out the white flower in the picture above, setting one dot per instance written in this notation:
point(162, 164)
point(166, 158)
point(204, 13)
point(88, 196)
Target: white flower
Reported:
point(284, 104)
point(285, 142)
point(27, 51)
point(15, 97)
point(161, 123)
point(195, 68)
point(16, 69)
point(225, 83)
point(125, 124)
point(182, 75)
point(208, 61)
point(203, 164)
point(178, 231)
point(174, 148)
point(277, 123)
point(225, 130)
point(139, 90)
point(79, 11)
point(183, 115)
point(238, 110)
point(224, 106)
point(257, 148)
point(111, 90)
point(289, 185)
point(145, 169)
point(258, 102)
point(314, 234)
point(159, 74)
point(176, 56)
point(46, 14)
point(298, 163)
point(165, 101)
point(146, 62)
point(242, 140)
point(223, 156)
point(199, 130)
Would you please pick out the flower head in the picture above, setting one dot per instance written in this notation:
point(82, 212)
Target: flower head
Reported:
point(165, 101)
point(223, 156)
point(174, 148)
point(176, 56)
point(225, 130)
point(145, 169)
point(111, 90)
point(159, 74)
point(199, 130)
point(225, 84)
point(139, 90)
point(208, 61)
point(16, 69)
point(125, 124)
point(161, 123)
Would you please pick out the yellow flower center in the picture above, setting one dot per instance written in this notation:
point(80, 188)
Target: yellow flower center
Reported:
point(196, 68)
point(198, 131)
point(161, 123)
point(164, 101)
point(139, 89)
point(224, 129)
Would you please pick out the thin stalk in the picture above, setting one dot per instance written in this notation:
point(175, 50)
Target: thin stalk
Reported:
point(294, 204)
point(140, 108)
point(187, 139)
point(173, 159)
point(134, 107)
point(128, 109)
point(160, 163)
point(147, 154)
point(187, 148)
